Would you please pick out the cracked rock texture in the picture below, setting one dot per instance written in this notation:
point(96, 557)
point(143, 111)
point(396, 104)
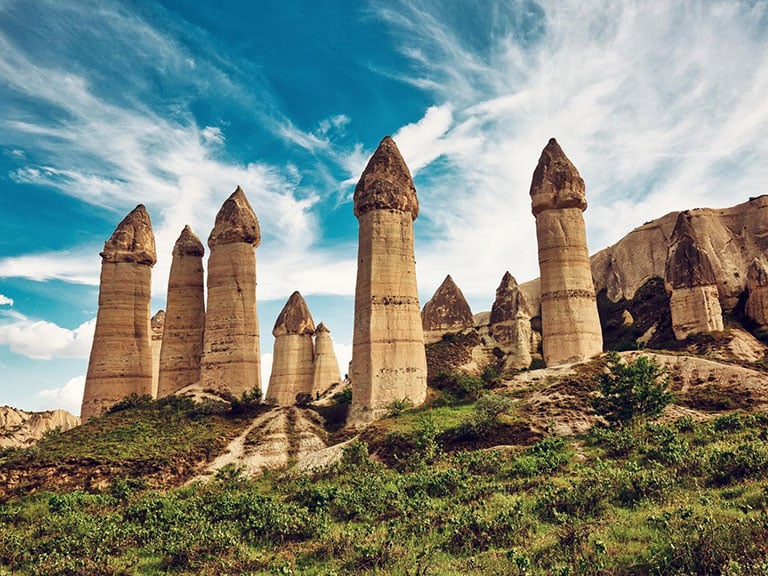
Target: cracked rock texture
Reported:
point(446, 312)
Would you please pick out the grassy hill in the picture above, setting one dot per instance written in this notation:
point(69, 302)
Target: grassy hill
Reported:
point(463, 485)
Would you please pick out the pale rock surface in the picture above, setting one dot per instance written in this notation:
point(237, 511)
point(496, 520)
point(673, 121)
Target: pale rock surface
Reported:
point(326, 370)
point(182, 346)
point(510, 324)
point(19, 428)
point(120, 363)
point(757, 282)
point(446, 312)
point(570, 324)
point(230, 359)
point(156, 325)
point(388, 357)
point(293, 355)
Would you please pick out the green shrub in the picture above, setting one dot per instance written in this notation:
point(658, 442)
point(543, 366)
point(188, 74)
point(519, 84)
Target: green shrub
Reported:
point(457, 388)
point(489, 407)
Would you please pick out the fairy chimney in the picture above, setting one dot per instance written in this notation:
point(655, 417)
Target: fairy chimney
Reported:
point(757, 283)
point(185, 316)
point(691, 281)
point(510, 324)
point(156, 325)
point(230, 359)
point(446, 312)
point(293, 357)
point(388, 358)
point(570, 323)
point(121, 355)
point(326, 370)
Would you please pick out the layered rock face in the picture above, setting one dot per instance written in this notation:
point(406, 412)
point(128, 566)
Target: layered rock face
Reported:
point(293, 359)
point(446, 312)
point(388, 357)
point(692, 284)
point(570, 324)
point(19, 428)
point(510, 324)
point(121, 356)
point(230, 359)
point(757, 282)
point(326, 370)
point(185, 316)
point(156, 326)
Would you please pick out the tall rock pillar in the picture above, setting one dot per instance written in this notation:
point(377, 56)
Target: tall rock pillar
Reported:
point(690, 278)
point(570, 322)
point(121, 356)
point(157, 326)
point(184, 318)
point(293, 358)
point(388, 358)
point(326, 370)
point(231, 343)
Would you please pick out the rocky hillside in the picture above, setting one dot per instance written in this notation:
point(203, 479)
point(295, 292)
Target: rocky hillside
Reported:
point(19, 428)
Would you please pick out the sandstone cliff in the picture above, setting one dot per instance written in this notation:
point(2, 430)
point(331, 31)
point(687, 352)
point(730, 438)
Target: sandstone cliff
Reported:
point(19, 428)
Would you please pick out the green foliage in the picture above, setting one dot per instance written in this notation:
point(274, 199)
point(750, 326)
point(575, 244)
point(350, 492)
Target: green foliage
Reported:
point(489, 407)
point(343, 397)
point(631, 391)
point(397, 407)
point(249, 403)
point(457, 388)
point(132, 401)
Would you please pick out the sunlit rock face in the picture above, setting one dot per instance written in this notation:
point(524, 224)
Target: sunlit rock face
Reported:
point(182, 346)
point(570, 323)
point(326, 370)
point(388, 358)
point(120, 363)
point(156, 327)
point(230, 359)
point(757, 283)
point(510, 324)
point(446, 312)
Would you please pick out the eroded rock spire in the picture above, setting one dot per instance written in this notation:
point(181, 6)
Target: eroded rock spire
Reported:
point(446, 312)
point(326, 372)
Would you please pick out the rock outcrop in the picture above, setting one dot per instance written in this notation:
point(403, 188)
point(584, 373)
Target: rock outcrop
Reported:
point(570, 324)
point(757, 283)
point(326, 370)
point(230, 359)
point(293, 357)
point(510, 324)
point(691, 281)
point(19, 428)
point(121, 356)
point(388, 357)
point(185, 316)
point(446, 312)
point(156, 326)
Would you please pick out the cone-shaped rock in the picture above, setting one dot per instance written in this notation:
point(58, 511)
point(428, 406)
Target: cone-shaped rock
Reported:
point(757, 282)
point(446, 312)
point(510, 323)
point(689, 275)
point(293, 357)
point(157, 326)
point(185, 316)
point(570, 324)
point(121, 356)
point(326, 372)
point(231, 341)
point(388, 358)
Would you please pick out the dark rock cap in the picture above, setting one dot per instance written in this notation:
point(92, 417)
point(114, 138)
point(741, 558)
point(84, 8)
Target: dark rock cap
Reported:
point(386, 183)
point(235, 222)
point(133, 240)
point(447, 308)
point(322, 328)
point(556, 183)
point(294, 318)
point(687, 264)
point(188, 244)
point(509, 301)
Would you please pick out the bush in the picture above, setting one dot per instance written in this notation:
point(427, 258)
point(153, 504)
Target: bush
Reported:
point(458, 388)
point(489, 407)
point(248, 404)
point(632, 391)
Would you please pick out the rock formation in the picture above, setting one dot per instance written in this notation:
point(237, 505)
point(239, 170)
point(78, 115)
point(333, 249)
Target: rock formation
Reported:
point(510, 324)
point(19, 428)
point(692, 284)
point(230, 359)
point(446, 312)
point(293, 358)
point(570, 324)
point(121, 356)
point(388, 357)
point(156, 326)
point(757, 282)
point(326, 370)
point(185, 316)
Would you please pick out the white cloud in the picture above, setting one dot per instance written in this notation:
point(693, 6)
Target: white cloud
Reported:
point(67, 266)
point(343, 355)
point(5, 301)
point(69, 397)
point(42, 340)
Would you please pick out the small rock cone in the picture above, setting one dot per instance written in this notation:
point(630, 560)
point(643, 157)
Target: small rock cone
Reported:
point(510, 323)
point(326, 371)
point(446, 312)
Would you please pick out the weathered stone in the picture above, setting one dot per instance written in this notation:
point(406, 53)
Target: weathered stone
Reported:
point(388, 358)
point(446, 312)
point(22, 429)
point(120, 363)
point(230, 359)
point(293, 357)
point(326, 370)
point(570, 324)
point(510, 324)
point(185, 318)
point(156, 326)
point(757, 282)
point(691, 280)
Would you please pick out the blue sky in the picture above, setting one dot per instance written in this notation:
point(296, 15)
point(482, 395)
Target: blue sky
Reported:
point(105, 104)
